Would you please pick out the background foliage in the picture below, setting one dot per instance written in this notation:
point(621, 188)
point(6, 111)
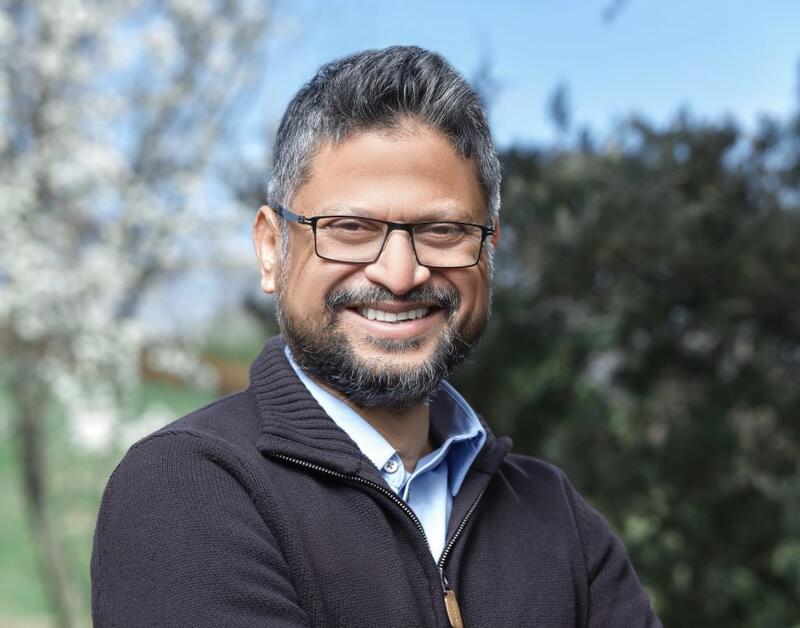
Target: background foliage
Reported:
point(646, 338)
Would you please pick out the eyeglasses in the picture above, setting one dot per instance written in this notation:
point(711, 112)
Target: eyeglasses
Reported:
point(358, 240)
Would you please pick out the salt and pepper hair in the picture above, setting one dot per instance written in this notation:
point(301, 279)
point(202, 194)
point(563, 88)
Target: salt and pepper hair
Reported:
point(379, 90)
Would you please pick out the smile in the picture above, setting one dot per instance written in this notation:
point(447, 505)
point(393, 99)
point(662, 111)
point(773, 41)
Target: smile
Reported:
point(393, 317)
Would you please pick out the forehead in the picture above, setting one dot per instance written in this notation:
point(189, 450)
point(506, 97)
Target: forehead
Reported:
point(413, 172)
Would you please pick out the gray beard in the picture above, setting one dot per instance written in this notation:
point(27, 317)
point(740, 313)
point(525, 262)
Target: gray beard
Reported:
point(326, 354)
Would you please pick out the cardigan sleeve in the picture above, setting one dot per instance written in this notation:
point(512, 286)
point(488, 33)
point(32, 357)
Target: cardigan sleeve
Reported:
point(179, 542)
point(616, 597)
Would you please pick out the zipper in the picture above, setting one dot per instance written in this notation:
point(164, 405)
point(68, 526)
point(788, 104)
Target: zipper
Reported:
point(459, 530)
point(450, 601)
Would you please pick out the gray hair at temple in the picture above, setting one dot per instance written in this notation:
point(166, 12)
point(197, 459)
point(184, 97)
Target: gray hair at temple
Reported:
point(377, 89)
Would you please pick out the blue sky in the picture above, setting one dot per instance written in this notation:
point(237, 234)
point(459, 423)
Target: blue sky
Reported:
point(714, 57)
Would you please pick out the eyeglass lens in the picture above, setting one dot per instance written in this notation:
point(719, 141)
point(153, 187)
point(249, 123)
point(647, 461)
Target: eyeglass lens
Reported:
point(359, 240)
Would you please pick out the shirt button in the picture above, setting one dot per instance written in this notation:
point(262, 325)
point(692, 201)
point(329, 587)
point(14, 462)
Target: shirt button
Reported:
point(391, 466)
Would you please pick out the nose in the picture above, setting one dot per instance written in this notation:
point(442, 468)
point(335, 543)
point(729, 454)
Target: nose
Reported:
point(397, 268)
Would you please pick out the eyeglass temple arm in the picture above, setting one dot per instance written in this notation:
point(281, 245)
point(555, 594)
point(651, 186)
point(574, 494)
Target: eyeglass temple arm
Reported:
point(289, 215)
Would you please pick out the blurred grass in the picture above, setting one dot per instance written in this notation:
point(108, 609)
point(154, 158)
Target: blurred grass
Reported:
point(77, 478)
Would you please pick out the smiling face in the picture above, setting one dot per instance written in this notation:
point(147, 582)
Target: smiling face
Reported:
point(387, 332)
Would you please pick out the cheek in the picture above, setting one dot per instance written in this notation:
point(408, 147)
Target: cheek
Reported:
point(478, 305)
point(309, 282)
point(473, 287)
point(297, 265)
point(304, 291)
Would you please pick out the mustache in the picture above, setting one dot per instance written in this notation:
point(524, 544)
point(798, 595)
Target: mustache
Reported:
point(447, 299)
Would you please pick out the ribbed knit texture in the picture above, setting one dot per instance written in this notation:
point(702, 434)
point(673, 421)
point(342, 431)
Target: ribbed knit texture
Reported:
point(206, 523)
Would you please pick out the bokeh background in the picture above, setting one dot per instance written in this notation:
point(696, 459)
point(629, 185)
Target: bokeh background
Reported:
point(646, 328)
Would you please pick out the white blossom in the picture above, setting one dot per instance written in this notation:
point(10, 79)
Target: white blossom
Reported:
point(109, 123)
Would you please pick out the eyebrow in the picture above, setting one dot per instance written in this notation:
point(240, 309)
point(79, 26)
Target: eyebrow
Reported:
point(337, 210)
point(446, 213)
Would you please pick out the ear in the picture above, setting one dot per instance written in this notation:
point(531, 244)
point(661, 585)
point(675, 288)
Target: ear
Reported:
point(267, 241)
point(496, 234)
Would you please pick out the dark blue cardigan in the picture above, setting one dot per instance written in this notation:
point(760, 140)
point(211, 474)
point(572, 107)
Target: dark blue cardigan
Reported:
point(259, 511)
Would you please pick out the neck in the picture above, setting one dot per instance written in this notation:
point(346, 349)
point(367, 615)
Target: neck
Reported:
point(406, 430)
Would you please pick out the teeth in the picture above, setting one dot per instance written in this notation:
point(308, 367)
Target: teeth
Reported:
point(418, 313)
point(393, 317)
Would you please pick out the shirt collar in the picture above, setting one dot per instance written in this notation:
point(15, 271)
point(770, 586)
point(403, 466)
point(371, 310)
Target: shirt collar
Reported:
point(459, 433)
point(454, 421)
point(369, 440)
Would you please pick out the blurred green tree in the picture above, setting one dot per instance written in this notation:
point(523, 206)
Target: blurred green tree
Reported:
point(647, 324)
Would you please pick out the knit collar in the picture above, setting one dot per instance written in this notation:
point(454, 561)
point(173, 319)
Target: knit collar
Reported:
point(294, 424)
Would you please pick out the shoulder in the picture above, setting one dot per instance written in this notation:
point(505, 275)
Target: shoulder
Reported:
point(234, 419)
point(191, 508)
point(218, 439)
point(553, 496)
point(534, 473)
point(616, 597)
point(206, 462)
point(229, 424)
point(547, 489)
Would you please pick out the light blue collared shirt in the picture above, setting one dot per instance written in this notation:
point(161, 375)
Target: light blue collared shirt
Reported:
point(438, 476)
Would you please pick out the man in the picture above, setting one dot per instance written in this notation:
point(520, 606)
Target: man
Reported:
point(350, 485)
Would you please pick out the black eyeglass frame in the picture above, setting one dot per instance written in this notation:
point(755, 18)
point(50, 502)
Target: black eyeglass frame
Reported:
point(408, 227)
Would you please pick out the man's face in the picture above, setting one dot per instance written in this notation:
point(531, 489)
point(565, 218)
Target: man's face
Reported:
point(410, 175)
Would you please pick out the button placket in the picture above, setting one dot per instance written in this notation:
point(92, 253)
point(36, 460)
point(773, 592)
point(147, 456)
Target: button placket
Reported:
point(391, 466)
point(394, 473)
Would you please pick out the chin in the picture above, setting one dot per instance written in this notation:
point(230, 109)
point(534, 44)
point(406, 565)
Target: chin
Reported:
point(423, 347)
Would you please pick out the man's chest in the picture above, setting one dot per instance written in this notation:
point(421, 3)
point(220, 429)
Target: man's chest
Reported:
point(359, 558)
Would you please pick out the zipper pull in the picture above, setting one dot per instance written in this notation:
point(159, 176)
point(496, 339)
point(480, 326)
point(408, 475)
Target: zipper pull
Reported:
point(451, 603)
